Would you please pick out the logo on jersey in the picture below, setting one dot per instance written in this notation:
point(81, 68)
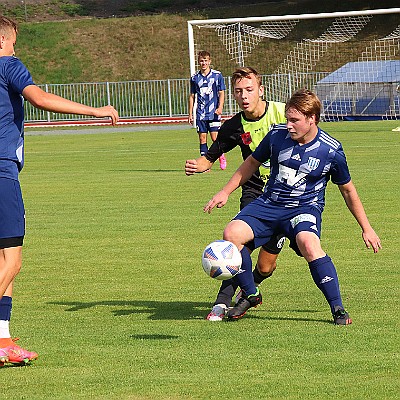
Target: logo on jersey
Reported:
point(246, 138)
point(296, 157)
point(313, 163)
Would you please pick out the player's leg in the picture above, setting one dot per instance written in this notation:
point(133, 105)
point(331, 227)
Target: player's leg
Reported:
point(323, 271)
point(214, 128)
point(266, 262)
point(12, 231)
point(202, 130)
point(247, 228)
point(10, 264)
point(237, 232)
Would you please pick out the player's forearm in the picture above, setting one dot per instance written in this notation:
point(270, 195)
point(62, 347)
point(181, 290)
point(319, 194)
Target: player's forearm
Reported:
point(355, 206)
point(242, 175)
point(203, 164)
point(191, 105)
point(221, 100)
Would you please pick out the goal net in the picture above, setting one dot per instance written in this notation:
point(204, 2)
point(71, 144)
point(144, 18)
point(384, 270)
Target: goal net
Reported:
point(350, 59)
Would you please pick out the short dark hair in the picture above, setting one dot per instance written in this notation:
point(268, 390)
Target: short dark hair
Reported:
point(203, 54)
point(306, 102)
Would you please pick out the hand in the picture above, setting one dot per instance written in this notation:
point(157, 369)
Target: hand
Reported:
point(108, 111)
point(218, 200)
point(371, 239)
point(190, 119)
point(190, 167)
point(218, 111)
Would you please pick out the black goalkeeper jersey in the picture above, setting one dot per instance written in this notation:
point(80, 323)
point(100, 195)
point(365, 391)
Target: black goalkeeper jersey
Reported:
point(247, 134)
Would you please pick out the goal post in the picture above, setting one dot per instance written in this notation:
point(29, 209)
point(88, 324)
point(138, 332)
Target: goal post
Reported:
point(350, 59)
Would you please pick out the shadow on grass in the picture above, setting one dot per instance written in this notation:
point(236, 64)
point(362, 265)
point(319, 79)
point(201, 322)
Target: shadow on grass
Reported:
point(157, 310)
point(181, 310)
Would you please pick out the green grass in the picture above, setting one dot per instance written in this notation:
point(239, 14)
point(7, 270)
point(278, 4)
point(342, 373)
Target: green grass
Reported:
point(113, 297)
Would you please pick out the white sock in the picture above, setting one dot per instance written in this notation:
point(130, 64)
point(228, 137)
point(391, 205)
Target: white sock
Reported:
point(4, 329)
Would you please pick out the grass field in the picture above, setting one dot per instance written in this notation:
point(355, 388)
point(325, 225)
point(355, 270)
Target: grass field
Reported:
point(113, 297)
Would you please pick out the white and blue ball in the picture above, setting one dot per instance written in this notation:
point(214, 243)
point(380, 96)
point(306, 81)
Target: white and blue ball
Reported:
point(221, 260)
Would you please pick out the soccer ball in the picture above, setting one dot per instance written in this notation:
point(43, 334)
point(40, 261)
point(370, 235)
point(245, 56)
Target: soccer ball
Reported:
point(221, 260)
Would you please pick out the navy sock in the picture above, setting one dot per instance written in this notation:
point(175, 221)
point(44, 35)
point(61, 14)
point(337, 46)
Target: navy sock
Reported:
point(5, 308)
point(245, 278)
point(258, 277)
point(325, 277)
point(203, 149)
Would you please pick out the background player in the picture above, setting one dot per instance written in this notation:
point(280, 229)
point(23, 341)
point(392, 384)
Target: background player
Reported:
point(15, 84)
point(303, 159)
point(207, 87)
point(246, 129)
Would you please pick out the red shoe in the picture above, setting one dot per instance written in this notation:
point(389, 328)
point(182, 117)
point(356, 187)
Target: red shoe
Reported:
point(18, 355)
point(222, 162)
point(3, 357)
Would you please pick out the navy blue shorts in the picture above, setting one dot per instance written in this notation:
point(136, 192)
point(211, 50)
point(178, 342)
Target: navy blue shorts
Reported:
point(12, 213)
point(204, 126)
point(265, 219)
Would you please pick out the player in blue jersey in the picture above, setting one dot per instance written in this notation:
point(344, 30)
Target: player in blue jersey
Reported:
point(245, 130)
point(303, 159)
point(16, 84)
point(207, 87)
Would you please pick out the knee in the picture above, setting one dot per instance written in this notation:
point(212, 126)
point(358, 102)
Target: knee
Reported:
point(234, 234)
point(310, 247)
point(15, 267)
point(266, 263)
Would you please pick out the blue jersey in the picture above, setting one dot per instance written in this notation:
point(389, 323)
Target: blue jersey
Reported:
point(206, 89)
point(300, 173)
point(14, 77)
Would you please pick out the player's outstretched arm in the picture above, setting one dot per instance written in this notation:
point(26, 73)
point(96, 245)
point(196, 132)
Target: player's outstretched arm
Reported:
point(51, 102)
point(354, 204)
point(241, 176)
point(199, 165)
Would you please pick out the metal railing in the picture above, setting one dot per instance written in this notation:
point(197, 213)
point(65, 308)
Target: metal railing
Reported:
point(142, 99)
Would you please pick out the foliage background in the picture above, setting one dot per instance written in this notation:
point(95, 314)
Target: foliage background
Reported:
point(64, 41)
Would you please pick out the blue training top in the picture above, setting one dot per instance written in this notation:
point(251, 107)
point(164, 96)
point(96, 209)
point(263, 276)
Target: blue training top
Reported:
point(206, 88)
point(299, 173)
point(14, 77)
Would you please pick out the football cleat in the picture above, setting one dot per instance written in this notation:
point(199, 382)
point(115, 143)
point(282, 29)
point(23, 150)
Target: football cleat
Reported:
point(3, 357)
point(217, 313)
point(244, 303)
point(341, 316)
point(222, 162)
point(18, 355)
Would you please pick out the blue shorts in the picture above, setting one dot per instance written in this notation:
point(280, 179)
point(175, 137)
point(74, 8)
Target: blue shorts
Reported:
point(265, 219)
point(204, 126)
point(12, 212)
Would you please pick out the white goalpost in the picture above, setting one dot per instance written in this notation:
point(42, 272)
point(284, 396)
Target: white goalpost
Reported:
point(350, 59)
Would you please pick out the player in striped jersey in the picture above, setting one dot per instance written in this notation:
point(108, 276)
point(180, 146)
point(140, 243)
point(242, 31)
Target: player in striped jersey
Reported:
point(245, 130)
point(303, 159)
point(207, 86)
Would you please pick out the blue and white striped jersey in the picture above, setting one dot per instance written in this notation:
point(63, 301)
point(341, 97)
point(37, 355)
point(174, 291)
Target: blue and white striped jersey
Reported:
point(300, 173)
point(206, 89)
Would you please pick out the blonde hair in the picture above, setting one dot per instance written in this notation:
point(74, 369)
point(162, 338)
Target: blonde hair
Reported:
point(245, 72)
point(7, 26)
point(306, 102)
